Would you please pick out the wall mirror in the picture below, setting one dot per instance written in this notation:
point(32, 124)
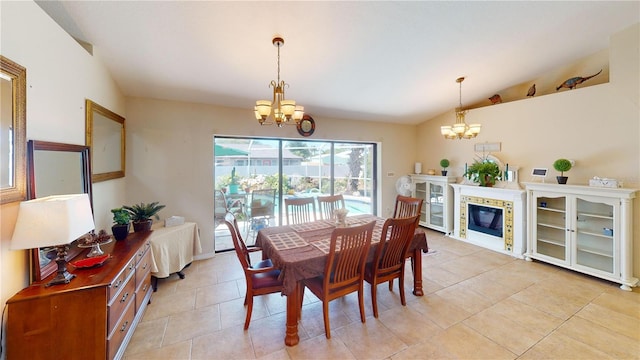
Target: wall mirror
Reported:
point(55, 169)
point(13, 94)
point(106, 137)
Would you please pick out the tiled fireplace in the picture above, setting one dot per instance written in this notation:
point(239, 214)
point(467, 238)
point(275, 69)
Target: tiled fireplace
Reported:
point(491, 217)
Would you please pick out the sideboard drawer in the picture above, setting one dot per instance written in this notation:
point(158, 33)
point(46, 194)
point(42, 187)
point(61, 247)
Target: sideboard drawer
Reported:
point(119, 281)
point(117, 306)
point(143, 267)
point(120, 330)
point(143, 249)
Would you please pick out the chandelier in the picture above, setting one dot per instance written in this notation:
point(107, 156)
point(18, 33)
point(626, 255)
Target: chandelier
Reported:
point(280, 110)
point(460, 129)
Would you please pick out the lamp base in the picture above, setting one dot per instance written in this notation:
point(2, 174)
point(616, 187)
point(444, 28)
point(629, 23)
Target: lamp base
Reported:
point(63, 276)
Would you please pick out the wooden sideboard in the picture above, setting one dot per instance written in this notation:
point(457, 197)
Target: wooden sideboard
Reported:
point(92, 317)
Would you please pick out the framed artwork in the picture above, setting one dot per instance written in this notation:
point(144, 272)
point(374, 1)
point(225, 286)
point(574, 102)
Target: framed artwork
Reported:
point(105, 136)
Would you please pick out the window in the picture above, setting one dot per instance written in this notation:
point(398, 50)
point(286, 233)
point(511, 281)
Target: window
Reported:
point(308, 168)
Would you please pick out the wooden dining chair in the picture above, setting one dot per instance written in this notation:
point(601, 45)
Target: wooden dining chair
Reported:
point(389, 258)
point(261, 278)
point(328, 204)
point(407, 206)
point(300, 210)
point(344, 270)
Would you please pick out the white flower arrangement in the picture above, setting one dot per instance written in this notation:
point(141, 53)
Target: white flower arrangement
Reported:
point(340, 215)
point(341, 212)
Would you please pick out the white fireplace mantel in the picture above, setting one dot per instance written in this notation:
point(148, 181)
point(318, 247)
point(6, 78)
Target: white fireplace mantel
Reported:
point(514, 244)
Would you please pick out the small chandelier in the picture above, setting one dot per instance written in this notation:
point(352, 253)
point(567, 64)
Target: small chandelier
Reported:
point(460, 129)
point(283, 110)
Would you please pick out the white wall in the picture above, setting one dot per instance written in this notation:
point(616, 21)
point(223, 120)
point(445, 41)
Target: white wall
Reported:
point(597, 126)
point(60, 75)
point(170, 153)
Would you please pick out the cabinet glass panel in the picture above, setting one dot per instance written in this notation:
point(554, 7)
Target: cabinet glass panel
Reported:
point(436, 204)
point(551, 233)
point(421, 193)
point(594, 235)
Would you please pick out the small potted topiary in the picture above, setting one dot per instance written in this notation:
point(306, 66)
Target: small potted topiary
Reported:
point(122, 223)
point(562, 165)
point(142, 214)
point(444, 164)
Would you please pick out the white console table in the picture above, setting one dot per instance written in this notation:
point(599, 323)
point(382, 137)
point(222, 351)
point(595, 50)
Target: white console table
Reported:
point(173, 249)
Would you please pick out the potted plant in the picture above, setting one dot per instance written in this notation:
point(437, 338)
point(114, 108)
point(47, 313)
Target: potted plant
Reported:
point(142, 214)
point(486, 173)
point(122, 223)
point(562, 165)
point(444, 163)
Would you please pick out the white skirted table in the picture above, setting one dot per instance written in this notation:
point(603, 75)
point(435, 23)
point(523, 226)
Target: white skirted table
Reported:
point(173, 249)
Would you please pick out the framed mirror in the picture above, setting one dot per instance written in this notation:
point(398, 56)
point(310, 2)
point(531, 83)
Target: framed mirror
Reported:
point(13, 94)
point(105, 135)
point(55, 169)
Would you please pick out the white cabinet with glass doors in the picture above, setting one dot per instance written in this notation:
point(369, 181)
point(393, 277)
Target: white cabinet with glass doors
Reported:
point(437, 207)
point(583, 228)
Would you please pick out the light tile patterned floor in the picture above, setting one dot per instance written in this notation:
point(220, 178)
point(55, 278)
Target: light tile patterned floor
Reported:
point(478, 304)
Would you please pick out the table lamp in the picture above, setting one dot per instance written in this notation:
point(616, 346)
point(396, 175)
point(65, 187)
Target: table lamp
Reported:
point(53, 221)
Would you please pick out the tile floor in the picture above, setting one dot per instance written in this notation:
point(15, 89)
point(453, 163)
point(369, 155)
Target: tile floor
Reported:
point(478, 304)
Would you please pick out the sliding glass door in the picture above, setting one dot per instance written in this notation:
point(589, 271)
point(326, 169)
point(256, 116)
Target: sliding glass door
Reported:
point(247, 168)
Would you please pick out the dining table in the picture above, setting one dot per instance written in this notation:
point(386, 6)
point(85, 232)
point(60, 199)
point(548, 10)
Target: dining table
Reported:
point(300, 252)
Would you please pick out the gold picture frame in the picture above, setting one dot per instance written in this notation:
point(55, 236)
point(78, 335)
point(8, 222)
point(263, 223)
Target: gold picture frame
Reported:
point(105, 136)
point(13, 79)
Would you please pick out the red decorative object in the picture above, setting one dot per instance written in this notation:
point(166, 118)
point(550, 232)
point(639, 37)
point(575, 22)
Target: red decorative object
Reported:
point(91, 262)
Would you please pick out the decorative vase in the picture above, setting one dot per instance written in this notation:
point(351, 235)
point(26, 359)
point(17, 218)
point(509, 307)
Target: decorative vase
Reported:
point(142, 225)
point(444, 172)
point(233, 188)
point(562, 179)
point(120, 232)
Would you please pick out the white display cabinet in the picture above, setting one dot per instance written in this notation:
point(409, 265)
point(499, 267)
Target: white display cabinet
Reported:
point(437, 208)
point(583, 228)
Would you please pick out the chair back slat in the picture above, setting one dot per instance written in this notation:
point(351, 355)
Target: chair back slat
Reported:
point(407, 206)
point(328, 204)
point(300, 210)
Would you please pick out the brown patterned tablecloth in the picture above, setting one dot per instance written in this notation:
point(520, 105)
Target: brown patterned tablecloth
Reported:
point(297, 250)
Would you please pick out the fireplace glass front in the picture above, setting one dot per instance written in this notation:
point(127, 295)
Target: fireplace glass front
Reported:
point(485, 219)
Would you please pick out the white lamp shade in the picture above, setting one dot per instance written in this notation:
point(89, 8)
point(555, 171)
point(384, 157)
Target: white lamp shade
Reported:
point(263, 107)
point(288, 107)
point(52, 220)
point(299, 113)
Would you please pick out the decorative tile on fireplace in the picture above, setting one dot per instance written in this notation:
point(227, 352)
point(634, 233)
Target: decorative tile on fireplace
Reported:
point(506, 212)
point(491, 217)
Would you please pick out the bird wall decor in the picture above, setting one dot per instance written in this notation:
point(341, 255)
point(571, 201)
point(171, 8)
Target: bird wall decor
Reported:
point(575, 81)
point(495, 99)
point(532, 90)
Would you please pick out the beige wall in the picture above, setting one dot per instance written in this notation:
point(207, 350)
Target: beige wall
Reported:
point(597, 126)
point(60, 75)
point(170, 153)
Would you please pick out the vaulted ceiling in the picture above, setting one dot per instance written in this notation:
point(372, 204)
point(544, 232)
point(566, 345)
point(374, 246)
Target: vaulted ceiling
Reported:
point(387, 61)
